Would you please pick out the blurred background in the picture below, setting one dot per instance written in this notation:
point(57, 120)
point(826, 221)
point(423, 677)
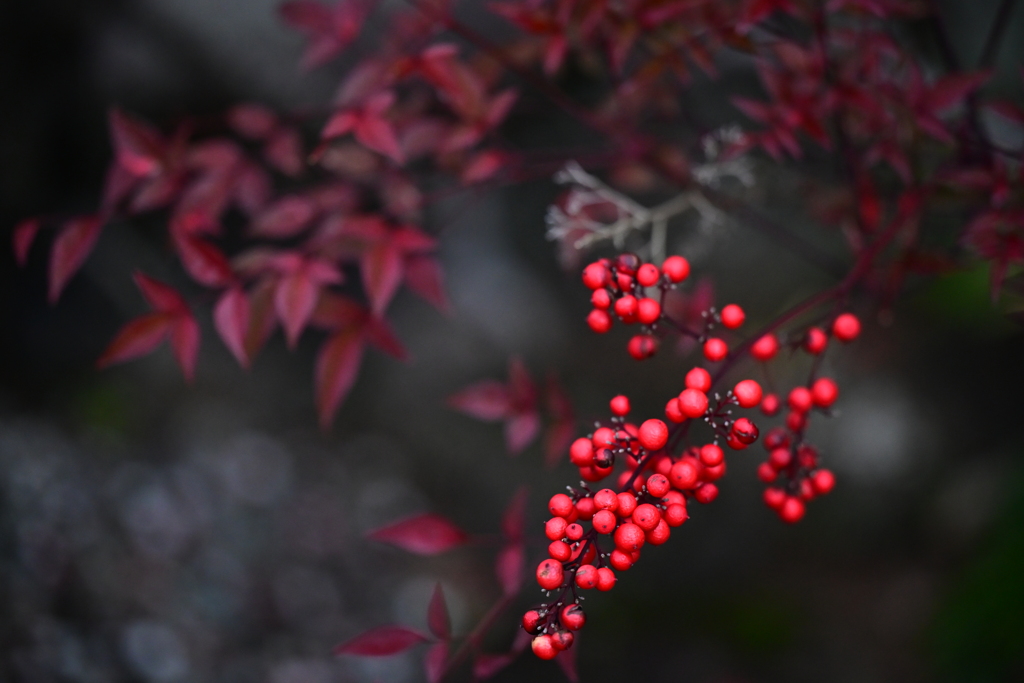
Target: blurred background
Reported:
point(157, 532)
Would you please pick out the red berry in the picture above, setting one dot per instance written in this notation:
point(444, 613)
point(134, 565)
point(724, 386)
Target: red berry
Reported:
point(824, 392)
point(823, 481)
point(765, 348)
point(777, 438)
point(624, 281)
point(642, 346)
point(599, 321)
point(846, 327)
point(562, 640)
point(605, 579)
point(573, 617)
point(711, 455)
point(606, 499)
point(774, 497)
point(601, 299)
point(604, 521)
point(595, 275)
point(796, 421)
point(734, 442)
point(646, 516)
point(766, 473)
point(648, 275)
point(800, 399)
point(627, 503)
point(733, 316)
point(675, 515)
point(586, 576)
point(604, 460)
point(658, 485)
point(792, 510)
point(591, 474)
point(620, 560)
point(815, 341)
point(629, 537)
point(676, 268)
point(619, 405)
point(674, 498)
point(770, 404)
point(581, 453)
point(554, 528)
point(693, 403)
point(715, 349)
point(603, 437)
point(658, 534)
point(653, 434)
point(561, 505)
point(648, 311)
point(684, 474)
point(543, 647)
point(559, 550)
point(673, 411)
point(586, 508)
point(806, 490)
point(713, 473)
point(549, 574)
point(627, 263)
point(745, 430)
point(626, 308)
point(748, 393)
point(706, 493)
point(532, 622)
point(699, 379)
point(574, 532)
point(780, 458)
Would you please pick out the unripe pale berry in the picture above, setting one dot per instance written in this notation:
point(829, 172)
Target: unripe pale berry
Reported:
point(619, 405)
point(532, 622)
point(684, 475)
point(815, 341)
point(599, 321)
point(554, 528)
point(648, 311)
point(800, 399)
point(711, 455)
point(653, 434)
point(626, 307)
point(627, 503)
point(699, 379)
point(676, 268)
point(605, 579)
point(770, 404)
point(792, 510)
point(657, 485)
point(648, 275)
point(675, 515)
point(595, 275)
point(586, 576)
point(693, 403)
point(573, 617)
point(846, 327)
point(673, 411)
point(658, 534)
point(629, 537)
point(733, 316)
point(765, 348)
point(581, 453)
point(823, 481)
point(559, 550)
point(604, 521)
point(543, 647)
point(824, 392)
point(642, 346)
point(549, 574)
point(706, 493)
point(715, 349)
point(747, 393)
point(561, 505)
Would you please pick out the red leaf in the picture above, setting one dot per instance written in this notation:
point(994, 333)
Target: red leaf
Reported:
point(285, 218)
point(426, 534)
point(509, 568)
point(231, 318)
point(488, 400)
point(557, 440)
point(137, 338)
point(251, 120)
point(566, 659)
point(336, 369)
point(952, 90)
point(252, 189)
point(72, 246)
point(284, 151)
point(513, 521)
point(185, 343)
point(423, 275)
point(379, 333)
point(204, 262)
point(24, 234)
point(382, 641)
point(434, 661)
point(162, 298)
point(520, 430)
point(382, 273)
point(139, 147)
point(294, 302)
point(378, 134)
point(438, 619)
point(487, 666)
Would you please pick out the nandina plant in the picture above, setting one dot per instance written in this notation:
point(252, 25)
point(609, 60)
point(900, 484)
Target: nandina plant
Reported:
point(315, 221)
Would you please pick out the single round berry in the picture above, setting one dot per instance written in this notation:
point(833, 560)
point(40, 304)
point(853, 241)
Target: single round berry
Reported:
point(627, 263)
point(574, 532)
point(796, 421)
point(658, 485)
point(588, 555)
point(532, 622)
point(592, 474)
point(573, 617)
point(846, 327)
point(599, 321)
point(815, 341)
point(648, 275)
point(586, 576)
point(606, 499)
point(676, 268)
point(605, 579)
point(595, 275)
point(711, 455)
point(619, 405)
point(713, 473)
point(581, 453)
point(699, 379)
point(684, 475)
point(792, 510)
point(734, 442)
point(745, 430)
point(549, 574)
point(800, 399)
point(559, 550)
point(627, 503)
point(658, 534)
point(603, 437)
point(646, 516)
point(733, 316)
point(675, 515)
point(823, 481)
point(629, 537)
point(674, 498)
point(806, 490)
point(642, 346)
point(604, 521)
point(770, 404)
point(561, 505)
point(543, 647)
point(601, 299)
point(653, 434)
point(604, 460)
point(765, 348)
point(624, 281)
point(586, 508)
point(776, 438)
point(715, 349)
point(774, 497)
point(706, 493)
point(767, 473)
point(673, 411)
point(648, 311)
point(748, 393)
point(780, 458)
point(693, 403)
point(562, 640)
point(824, 392)
point(554, 528)
point(620, 560)
point(626, 307)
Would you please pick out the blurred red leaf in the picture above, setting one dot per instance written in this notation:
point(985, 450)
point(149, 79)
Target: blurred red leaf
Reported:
point(382, 274)
point(252, 120)
point(24, 234)
point(426, 534)
point(294, 301)
point(487, 666)
point(336, 368)
point(137, 338)
point(434, 661)
point(329, 29)
point(566, 660)
point(520, 430)
point(513, 520)
point(74, 243)
point(382, 641)
point(488, 400)
point(185, 343)
point(508, 567)
point(139, 147)
point(423, 275)
point(262, 319)
point(283, 151)
point(231, 318)
point(438, 619)
point(160, 297)
point(203, 261)
point(378, 134)
point(285, 218)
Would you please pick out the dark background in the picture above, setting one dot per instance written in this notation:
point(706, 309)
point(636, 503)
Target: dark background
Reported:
point(151, 531)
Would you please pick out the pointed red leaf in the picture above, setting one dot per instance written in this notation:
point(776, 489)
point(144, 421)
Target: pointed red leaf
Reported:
point(488, 400)
point(557, 440)
point(379, 135)
point(139, 146)
point(72, 246)
point(336, 369)
point(252, 120)
point(379, 333)
point(488, 666)
point(434, 661)
point(426, 534)
point(162, 298)
point(382, 273)
point(139, 337)
point(513, 520)
point(438, 619)
point(285, 218)
point(283, 151)
point(521, 430)
point(231, 319)
point(382, 641)
point(24, 234)
point(185, 343)
point(509, 568)
point(294, 302)
point(203, 261)
point(423, 275)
